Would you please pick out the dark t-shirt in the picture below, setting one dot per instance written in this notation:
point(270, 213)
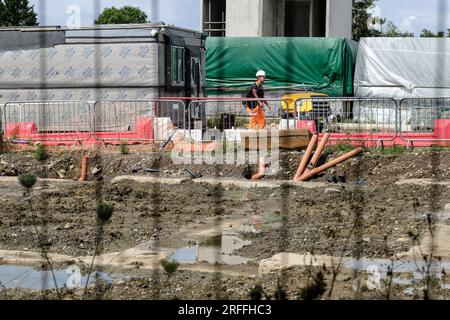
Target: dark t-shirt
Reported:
point(259, 93)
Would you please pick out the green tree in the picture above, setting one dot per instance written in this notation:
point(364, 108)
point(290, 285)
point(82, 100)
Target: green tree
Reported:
point(17, 13)
point(427, 34)
point(391, 30)
point(361, 18)
point(126, 14)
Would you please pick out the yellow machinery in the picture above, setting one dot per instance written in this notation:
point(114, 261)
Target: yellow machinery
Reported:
point(302, 102)
point(307, 106)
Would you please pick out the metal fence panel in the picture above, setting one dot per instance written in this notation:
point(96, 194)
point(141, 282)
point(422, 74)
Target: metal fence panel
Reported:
point(47, 120)
point(356, 119)
point(230, 116)
point(424, 119)
point(137, 120)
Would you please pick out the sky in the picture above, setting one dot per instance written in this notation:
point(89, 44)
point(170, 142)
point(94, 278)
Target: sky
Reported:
point(408, 15)
point(182, 13)
point(415, 15)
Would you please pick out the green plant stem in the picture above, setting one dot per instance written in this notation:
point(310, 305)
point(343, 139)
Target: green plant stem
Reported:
point(44, 251)
point(97, 245)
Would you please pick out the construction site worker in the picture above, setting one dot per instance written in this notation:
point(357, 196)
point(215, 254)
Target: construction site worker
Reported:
point(255, 108)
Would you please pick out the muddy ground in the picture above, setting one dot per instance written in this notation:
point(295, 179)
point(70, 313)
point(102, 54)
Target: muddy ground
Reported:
point(359, 212)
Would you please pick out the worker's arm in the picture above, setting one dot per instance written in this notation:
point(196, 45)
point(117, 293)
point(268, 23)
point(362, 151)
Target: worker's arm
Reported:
point(255, 94)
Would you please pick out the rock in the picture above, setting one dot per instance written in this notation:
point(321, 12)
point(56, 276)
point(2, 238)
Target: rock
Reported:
point(14, 234)
point(367, 239)
point(67, 226)
point(403, 240)
point(3, 163)
point(332, 179)
point(332, 190)
point(96, 170)
point(60, 174)
point(51, 165)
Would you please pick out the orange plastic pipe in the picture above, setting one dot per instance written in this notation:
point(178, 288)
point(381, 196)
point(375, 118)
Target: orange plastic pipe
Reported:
point(318, 152)
point(330, 164)
point(306, 157)
point(84, 164)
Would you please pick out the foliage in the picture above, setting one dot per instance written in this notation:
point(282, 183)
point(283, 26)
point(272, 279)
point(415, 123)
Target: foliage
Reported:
point(429, 34)
point(393, 31)
point(393, 150)
point(65, 157)
point(169, 266)
point(341, 147)
point(256, 293)
point(27, 180)
point(362, 18)
point(280, 293)
point(314, 290)
point(123, 148)
point(104, 212)
point(127, 14)
point(40, 153)
point(17, 13)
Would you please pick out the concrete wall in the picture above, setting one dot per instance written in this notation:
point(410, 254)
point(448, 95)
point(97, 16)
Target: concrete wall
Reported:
point(339, 18)
point(254, 18)
point(270, 18)
point(244, 18)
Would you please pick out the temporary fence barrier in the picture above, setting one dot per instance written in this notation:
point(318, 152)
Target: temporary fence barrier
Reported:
point(229, 117)
point(369, 122)
point(137, 121)
point(47, 121)
point(426, 121)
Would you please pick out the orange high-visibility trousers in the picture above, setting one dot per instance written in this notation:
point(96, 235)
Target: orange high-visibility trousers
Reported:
point(257, 118)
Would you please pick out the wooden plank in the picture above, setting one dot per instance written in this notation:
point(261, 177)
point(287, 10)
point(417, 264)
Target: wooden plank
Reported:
point(287, 139)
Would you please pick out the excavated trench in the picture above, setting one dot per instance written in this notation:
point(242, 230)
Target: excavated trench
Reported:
point(227, 233)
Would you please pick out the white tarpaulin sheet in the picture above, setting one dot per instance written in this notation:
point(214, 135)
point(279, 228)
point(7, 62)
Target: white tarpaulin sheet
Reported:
point(403, 68)
point(400, 68)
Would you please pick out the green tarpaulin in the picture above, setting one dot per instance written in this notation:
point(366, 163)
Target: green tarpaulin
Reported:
point(323, 65)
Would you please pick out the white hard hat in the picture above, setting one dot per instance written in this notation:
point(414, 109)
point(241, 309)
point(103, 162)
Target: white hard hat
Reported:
point(260, 73)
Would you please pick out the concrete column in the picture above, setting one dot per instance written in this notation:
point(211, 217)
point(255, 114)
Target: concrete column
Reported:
point(339, 18)
point(201, 15)
point(311, 18)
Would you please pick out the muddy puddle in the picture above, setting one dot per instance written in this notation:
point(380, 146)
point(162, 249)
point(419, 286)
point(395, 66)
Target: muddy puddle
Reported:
point(216, 241)
point(218, 249)
point(375, 273)
point(407, 273)
point(435, 216)
point(23, 277)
